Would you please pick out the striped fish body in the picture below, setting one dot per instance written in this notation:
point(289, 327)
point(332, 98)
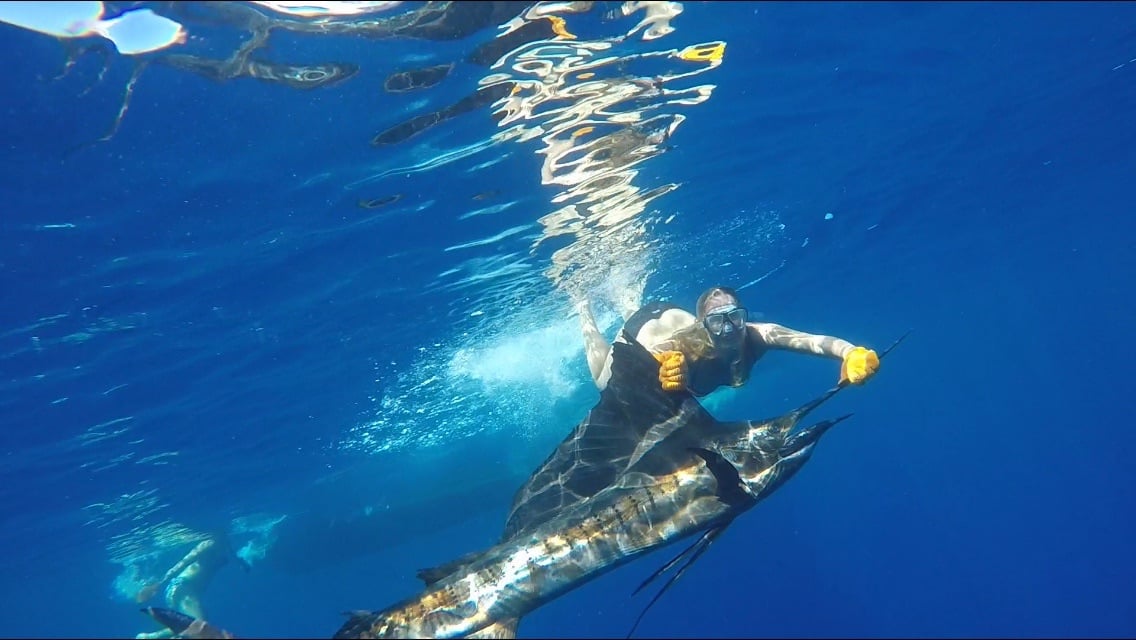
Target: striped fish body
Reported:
point(639, 514)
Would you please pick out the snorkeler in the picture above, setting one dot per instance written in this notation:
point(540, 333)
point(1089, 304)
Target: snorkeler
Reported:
point(188, 579)
point(715, 348)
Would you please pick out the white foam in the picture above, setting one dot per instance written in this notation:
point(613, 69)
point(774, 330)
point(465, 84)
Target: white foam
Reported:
point(538, 359)
point(499, 382)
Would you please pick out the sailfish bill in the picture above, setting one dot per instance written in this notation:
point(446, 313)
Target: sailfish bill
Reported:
point(698, 477)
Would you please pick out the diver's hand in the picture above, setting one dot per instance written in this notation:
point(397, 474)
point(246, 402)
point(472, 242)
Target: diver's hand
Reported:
point(859, 365)
point(583, 308)
point(584, 312)
point(672, 370)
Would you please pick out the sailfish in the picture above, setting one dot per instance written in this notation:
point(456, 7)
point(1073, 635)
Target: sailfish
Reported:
point(645, 469)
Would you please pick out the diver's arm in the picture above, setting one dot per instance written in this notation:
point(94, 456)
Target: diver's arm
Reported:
point(189, 559)
point(775, 336)
point(596, 348)
point(148, 591)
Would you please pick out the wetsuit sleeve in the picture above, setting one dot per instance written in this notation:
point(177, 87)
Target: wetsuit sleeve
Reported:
point(775, 336)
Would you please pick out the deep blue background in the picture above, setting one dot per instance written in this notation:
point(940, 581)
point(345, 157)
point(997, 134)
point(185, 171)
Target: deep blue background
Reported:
point(979, 164)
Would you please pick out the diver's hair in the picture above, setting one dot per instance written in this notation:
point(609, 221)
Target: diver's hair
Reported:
point(694, 341)
point(714, 292)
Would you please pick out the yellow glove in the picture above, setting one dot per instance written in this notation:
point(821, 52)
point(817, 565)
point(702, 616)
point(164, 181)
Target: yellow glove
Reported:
point(672, 370)
point(859, 365)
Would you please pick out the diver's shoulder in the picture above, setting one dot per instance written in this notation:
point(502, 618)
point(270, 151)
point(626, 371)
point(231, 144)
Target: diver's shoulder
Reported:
point(657, 332)
point(677, 318)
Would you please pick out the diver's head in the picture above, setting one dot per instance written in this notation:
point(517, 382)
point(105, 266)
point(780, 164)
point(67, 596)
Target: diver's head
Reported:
point(723, 315)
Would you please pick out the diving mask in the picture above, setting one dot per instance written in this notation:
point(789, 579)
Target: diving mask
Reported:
point(724, 320)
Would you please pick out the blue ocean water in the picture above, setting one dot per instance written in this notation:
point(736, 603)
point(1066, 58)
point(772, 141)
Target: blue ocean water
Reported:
point(238, 313)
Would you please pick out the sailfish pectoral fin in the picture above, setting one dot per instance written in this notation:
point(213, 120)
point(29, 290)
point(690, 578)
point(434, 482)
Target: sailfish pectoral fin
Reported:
point(732, 491)
point(670, 563)
point(695, 551)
